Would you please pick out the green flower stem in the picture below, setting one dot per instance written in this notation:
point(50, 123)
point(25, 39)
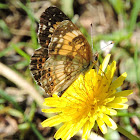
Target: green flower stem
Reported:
point(126, 133)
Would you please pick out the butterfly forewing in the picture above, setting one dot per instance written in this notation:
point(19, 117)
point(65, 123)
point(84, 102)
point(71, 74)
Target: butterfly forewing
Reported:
point(49, 20)
point(68, 40)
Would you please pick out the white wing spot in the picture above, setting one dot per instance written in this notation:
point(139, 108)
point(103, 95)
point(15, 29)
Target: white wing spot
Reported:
point(60, 35)
point(40, 26)
point(44, 27)
point(51, 30)
point(58, 46)
point(38, 40)
point(61, 40)
point(50, 79)
point(55, 39)
point(38, 31)
point(49, 23)
point(75, 32)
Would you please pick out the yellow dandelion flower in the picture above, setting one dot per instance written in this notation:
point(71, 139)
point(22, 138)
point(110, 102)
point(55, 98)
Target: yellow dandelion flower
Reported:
point(91, 98)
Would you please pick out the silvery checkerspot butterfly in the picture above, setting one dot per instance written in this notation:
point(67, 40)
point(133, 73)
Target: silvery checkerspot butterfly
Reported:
point(64, 55)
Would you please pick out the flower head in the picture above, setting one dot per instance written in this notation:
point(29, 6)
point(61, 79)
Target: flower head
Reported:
point(91, 98)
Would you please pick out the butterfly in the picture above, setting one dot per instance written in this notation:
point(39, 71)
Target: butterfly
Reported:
point(64, 54)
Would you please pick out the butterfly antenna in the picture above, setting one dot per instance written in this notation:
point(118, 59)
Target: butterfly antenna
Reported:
point(91, 35)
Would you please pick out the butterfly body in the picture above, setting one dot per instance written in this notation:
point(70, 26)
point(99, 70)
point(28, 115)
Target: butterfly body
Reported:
point(67, 52)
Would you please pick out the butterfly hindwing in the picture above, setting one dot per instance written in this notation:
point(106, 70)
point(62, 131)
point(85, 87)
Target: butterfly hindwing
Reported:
point(58, 75)
point(37, 62)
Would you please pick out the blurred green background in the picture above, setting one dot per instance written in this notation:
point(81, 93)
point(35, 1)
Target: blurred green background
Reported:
point(21, 99)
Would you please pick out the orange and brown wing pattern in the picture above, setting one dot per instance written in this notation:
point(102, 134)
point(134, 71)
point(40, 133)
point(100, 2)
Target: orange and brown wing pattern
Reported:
point(69, 55)
point(49, 20)
point(58, 75)
point(68, 40)
point(64, 55)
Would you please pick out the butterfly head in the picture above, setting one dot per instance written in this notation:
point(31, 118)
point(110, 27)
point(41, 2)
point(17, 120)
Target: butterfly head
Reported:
point(95, 58)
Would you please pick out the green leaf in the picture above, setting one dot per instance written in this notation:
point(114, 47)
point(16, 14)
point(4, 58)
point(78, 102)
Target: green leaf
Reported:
point(126, 133)
point(118, 5)
point(67, 7)
point(134, 14)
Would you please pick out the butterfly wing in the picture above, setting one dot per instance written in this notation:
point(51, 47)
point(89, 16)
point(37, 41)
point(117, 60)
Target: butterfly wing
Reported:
point(69, 55)
point(49, 20)
point(69, 41)
point(58, 75)
point(65, 53)
point(37, 62)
